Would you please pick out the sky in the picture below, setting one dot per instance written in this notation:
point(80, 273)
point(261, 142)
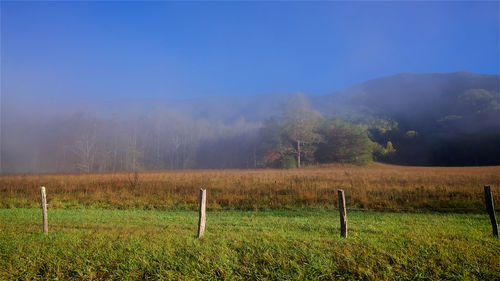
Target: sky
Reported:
point(174, 50)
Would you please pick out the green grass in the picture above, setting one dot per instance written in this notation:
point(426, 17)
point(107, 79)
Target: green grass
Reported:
point(267, 245)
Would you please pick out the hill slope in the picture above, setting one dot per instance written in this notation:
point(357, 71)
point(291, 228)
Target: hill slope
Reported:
point(449, 118)
point(422, 101)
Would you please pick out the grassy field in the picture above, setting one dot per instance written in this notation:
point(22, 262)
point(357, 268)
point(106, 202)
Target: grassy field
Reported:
point(261, 225)
point(380, 187)
point(87, 244)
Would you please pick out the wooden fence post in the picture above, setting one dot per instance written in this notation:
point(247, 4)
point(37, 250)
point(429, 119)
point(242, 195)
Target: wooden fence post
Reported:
point(343, 214)
point(44, 210)
point(203, 204)
point(488, 200)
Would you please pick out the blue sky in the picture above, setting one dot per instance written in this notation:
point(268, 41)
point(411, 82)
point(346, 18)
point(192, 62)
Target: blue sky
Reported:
point(124, 50)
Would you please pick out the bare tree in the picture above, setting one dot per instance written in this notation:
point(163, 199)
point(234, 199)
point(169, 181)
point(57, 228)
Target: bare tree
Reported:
point(84, 149)
point(300, 123)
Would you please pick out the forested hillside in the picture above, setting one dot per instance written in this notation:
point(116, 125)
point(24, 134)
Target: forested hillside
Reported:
point(434, 119)
point(414, 119)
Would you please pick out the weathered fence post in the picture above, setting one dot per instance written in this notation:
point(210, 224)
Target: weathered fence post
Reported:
point(488, 200)
point(203, 204)
point(343, 214)
point(44, 210)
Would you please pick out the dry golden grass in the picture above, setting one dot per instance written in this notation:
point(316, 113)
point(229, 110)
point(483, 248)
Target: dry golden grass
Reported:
point(381, 187)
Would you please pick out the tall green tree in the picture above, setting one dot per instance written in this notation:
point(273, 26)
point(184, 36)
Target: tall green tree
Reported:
point(344, 143)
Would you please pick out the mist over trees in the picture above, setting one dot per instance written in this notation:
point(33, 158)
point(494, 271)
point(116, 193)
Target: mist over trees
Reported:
point(166, 139)
point(304, 135)
point(428, 119)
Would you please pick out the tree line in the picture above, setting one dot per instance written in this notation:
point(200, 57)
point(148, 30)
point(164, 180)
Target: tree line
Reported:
point(165, 139)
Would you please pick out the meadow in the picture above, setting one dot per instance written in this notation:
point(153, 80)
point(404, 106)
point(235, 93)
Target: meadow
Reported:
point(375, 187)
point(85, 244)
point(404, 223)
